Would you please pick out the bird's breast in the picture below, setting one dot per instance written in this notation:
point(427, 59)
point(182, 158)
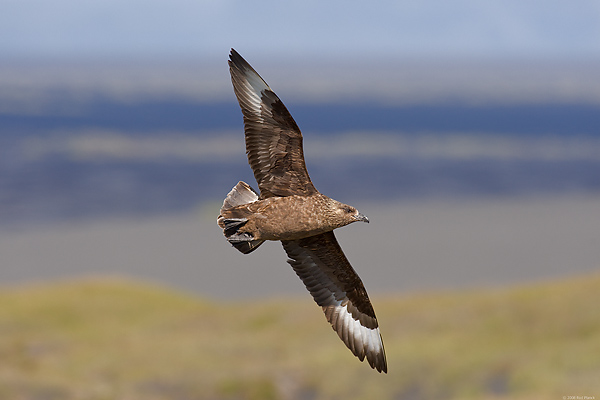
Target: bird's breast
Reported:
point(289, 218)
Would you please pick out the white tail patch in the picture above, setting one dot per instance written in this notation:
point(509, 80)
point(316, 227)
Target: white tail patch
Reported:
point(241, 193)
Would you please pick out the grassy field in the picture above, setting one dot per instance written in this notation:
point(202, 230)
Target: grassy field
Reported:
point(117, 339)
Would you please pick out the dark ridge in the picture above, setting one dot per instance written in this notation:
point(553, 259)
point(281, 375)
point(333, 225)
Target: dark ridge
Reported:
point(188, 116)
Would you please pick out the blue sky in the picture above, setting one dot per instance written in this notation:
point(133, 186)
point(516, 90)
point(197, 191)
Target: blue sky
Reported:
point(208, 28)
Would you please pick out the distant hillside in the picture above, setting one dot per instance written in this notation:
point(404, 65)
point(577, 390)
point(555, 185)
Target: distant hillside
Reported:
point(150, 116)
point(113, 338)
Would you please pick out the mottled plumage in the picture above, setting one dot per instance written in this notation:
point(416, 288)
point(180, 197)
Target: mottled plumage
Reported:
point(290, 209)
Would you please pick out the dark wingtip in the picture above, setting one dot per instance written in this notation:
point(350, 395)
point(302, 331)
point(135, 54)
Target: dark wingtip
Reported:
point(382, 365)
point(378, 361)
point(236, 59)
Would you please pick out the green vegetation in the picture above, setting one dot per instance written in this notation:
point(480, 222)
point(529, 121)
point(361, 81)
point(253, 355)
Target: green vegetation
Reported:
point(114, 339)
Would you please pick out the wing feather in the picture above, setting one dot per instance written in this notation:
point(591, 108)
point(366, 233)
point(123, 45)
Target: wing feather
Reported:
point(321, 264)
point(273, 139)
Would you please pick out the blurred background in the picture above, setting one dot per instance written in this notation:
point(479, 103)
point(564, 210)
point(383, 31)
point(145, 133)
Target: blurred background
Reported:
point(468, 132)
point(120, 110)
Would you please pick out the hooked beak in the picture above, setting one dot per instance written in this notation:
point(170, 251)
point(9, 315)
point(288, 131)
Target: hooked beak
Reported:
point(361, 217)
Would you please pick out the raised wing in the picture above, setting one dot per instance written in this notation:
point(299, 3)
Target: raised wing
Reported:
point(273, 140)
point(335, 286)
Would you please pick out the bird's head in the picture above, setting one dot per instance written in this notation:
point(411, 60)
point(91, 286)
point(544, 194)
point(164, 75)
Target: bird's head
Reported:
point(345, 214)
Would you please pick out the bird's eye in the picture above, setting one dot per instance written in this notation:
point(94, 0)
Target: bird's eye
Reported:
point(348, 210)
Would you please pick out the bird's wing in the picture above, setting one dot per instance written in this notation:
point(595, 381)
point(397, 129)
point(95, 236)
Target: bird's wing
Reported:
point(335, 286)
point(273, 140)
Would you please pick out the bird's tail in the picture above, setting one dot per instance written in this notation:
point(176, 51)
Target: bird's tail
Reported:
point(232, 219)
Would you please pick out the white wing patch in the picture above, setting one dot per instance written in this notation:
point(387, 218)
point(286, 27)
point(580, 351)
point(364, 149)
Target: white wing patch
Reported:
point(320, 270)
point(360, 339)
point(253, 86)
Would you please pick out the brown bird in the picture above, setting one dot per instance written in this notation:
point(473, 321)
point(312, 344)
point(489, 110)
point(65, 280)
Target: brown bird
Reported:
point(290, 209)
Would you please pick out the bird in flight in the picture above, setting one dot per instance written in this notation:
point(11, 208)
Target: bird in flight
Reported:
point(290, 209)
